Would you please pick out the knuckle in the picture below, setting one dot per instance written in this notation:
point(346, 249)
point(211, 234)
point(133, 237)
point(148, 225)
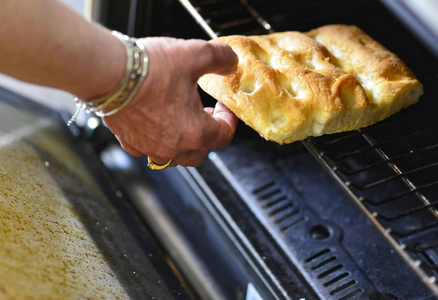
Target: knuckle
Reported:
point(192, 158)
point(130, 150)
point(167, 153)
point(194, 139)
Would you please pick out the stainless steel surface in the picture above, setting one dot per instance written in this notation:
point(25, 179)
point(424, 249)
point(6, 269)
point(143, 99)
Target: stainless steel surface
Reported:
point(67, 230)
point(420, 16)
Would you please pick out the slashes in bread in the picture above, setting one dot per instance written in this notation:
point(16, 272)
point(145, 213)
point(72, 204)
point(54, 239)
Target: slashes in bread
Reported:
point(292, 85)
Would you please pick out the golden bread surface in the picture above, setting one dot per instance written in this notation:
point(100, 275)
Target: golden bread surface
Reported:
point(292, 85)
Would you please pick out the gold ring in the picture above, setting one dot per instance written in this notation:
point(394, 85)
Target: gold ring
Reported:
point(154, 166)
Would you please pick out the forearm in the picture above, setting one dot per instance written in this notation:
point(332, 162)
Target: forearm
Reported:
point(44, 42)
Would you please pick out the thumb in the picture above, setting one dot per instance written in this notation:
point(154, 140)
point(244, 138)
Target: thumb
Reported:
point(217, 58)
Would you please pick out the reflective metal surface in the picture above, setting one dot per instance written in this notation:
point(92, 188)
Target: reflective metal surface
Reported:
point(66, 229)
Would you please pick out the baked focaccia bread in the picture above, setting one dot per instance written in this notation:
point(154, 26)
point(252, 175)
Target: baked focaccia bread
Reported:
point(292, 85)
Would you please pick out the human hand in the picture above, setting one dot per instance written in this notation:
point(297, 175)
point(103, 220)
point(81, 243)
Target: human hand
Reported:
point(166, 120)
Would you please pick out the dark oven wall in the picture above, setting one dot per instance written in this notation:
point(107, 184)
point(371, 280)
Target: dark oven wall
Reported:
point(142, 18)
point(169, 18)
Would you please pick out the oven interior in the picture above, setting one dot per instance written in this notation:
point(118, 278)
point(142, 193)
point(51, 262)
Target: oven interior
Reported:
point(345, 216)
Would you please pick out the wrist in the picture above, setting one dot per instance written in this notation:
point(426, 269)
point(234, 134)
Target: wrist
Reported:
point(107, 70)
point(137, 62)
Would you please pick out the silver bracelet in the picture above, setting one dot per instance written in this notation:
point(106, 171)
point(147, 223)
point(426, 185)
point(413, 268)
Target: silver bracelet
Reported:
point(136, 71)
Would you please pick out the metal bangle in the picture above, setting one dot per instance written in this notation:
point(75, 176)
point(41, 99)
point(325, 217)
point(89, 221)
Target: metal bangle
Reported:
point(97, 102)
point(138, 74)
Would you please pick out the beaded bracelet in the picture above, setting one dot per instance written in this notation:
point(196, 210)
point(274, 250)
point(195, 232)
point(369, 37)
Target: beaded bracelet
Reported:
point(136, 71)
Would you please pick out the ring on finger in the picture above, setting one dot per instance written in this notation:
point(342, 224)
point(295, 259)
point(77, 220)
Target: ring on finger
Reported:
point(154, 166)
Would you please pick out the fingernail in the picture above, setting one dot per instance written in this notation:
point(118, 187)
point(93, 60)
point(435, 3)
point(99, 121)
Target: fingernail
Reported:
point(209, 110)
point(221, 108)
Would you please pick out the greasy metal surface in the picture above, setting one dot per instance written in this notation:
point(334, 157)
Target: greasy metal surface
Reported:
point(62, 236)
point(310, 219)
point(45, 250)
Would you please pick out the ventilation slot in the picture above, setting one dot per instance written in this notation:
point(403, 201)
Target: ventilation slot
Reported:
point(343, 287)
point(330, 271)
point(270, 195)
point(277, 205)
point(263, 188)
point(280, 207)
point(334, 278)
point(323, 263)
point(352, 295)
point(317, 255)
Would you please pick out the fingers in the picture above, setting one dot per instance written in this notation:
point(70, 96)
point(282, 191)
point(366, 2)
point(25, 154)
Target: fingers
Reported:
point(220, 127)
point(192, 158)
point(221, 108)
point(132, 151)
point(159, 160)
point(127, 148)
point(155, 164)
point(209, 110)
point(219, 130)
point(219, 133)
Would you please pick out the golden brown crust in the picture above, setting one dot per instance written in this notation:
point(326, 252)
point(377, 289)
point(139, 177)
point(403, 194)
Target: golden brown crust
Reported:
point(292, 85)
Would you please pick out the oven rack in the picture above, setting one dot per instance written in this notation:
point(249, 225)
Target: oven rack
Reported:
point(226, 17)
point(394, 185)
point(389, 170)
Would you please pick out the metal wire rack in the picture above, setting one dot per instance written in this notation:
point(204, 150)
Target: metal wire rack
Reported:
point(226, 17)
point(391, 171)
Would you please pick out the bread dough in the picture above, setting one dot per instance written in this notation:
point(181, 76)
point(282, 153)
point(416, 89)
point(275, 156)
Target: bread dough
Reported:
point(292, 85)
